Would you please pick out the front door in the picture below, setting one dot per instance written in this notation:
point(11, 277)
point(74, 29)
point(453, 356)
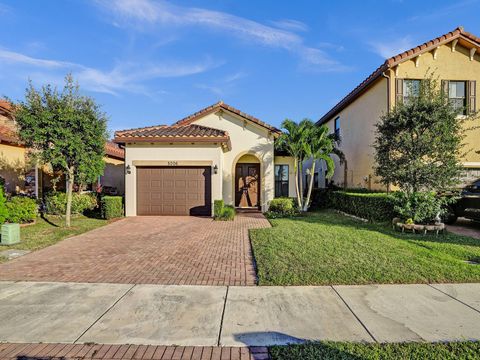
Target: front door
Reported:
point(247, 185)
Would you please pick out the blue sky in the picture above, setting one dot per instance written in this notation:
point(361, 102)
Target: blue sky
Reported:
point(153, 62)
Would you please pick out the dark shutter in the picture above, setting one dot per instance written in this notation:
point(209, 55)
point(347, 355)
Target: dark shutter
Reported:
point(445, 88)
point(471, 96)
point(398, 91)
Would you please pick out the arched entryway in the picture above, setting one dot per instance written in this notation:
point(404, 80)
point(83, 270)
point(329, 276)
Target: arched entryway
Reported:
point(247, 182)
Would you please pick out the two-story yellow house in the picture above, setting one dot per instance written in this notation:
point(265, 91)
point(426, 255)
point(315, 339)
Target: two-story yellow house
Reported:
point(454, 58)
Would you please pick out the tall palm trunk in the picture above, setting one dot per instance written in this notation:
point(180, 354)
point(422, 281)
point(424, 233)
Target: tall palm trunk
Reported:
point(310, 186)
point(295, 171)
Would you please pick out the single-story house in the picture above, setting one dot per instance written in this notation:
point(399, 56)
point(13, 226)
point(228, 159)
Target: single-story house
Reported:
point(20, 175)
point(454, 58)
point(217, 153)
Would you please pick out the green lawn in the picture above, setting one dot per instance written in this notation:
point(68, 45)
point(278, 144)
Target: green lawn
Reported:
point(50, 230)
point(328, 248)
point(356, 351)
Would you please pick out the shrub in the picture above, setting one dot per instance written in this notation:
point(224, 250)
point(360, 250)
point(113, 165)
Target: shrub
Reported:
point(370, 206)
point(223, 212)
point(321, 199)
point(228, 213)
point(3, 208)
point(218, 206)
point(21, 210)
point(112, 207)
point(420, 207)
point(282, 207)
point(56, 203)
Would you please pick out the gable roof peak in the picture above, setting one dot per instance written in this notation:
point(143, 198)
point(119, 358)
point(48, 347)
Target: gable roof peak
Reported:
point(458, 32)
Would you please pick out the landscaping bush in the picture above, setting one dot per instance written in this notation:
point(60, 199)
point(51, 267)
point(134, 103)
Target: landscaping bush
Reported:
point(3, 208)
point(112, 207)
point(420, 207)
point(282, 207)
point(370, 206)
point(56, 203)
point(228, 213)
point(218, 206)
point(21, 210)
point(321, 199)
point(223, 212)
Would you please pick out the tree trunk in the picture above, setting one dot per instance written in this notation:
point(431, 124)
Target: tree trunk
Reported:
point(70, 180)
point(300, 170)
point(295, 170)
point(310, 186)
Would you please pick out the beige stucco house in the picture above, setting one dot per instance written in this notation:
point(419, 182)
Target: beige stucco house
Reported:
point(217, 153)
point(454, 58)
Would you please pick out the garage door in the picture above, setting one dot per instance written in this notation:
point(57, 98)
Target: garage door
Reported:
point(174, 191)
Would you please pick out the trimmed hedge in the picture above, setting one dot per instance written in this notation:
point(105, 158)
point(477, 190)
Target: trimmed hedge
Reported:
point(370, 206)
point(112, 207)
point(218, 206)
point(3, 206)
point(21, 210)
point(56, 203)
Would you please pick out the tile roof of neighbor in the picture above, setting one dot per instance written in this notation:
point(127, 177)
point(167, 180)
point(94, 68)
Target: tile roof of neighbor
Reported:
point(5, 104)
point(114, 150)
point(188, 132)
point(185, 129)
point(8, 135)
point(394, 61)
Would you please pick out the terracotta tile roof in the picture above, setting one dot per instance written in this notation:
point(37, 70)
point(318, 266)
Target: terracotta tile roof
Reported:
point(458, 33)
point(8, 135)
point(114, 150)
point(5, 104)
point(222, 106)
point(164, 133)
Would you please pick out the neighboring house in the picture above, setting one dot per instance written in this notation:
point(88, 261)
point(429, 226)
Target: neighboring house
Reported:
point(455, 60)
point(22, 176)
point(218, 153)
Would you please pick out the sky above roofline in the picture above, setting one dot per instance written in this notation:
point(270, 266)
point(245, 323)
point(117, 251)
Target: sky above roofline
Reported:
point(154, 62)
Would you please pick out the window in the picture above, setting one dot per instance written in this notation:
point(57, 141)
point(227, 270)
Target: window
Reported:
point(281, 180)
point(337, 126)
point(456, 96)
point(411, 88)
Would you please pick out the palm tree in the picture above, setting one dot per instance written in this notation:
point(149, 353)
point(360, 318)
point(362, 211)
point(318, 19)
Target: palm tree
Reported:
point(305, 140)
point(293, 140)
point(320, 146)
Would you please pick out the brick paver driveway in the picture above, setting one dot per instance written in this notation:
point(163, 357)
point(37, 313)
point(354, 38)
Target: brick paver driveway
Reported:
point(148, 250)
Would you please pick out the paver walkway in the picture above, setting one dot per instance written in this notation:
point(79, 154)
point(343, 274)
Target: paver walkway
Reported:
point(465, 227)
point(186, 316)
point(148, 250)
point(128, 352)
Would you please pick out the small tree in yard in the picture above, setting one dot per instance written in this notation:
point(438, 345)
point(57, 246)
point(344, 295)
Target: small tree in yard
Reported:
point(66, 130)
point(419, 143)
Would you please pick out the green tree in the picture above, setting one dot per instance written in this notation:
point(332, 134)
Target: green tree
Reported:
point(302, 141)
point(66, 130)
point(419, 143)
point(293, 140)
point(320, 145)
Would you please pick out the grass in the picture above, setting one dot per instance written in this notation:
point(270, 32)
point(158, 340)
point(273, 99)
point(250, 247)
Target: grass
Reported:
point(327, 248)
point(50, 230)
point(357, 351)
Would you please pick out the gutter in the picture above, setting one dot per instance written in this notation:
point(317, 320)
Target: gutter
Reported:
point(388, 90)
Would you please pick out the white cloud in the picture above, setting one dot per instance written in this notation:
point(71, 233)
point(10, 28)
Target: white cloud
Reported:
point(127, 76)
point(388, 49)
point(148, 15)
point(290, 24)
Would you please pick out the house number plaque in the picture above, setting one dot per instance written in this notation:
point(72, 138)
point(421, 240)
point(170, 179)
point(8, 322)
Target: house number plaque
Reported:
point(172, 163)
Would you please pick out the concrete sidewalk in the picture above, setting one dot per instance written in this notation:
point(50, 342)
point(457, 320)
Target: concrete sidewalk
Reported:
point(32, 312)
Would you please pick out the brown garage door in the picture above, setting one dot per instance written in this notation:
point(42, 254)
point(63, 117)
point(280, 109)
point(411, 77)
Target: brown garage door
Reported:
point(174, 191)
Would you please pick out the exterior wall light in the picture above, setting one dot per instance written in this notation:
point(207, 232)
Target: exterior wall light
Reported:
point(128, 170)
point(215, 169)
